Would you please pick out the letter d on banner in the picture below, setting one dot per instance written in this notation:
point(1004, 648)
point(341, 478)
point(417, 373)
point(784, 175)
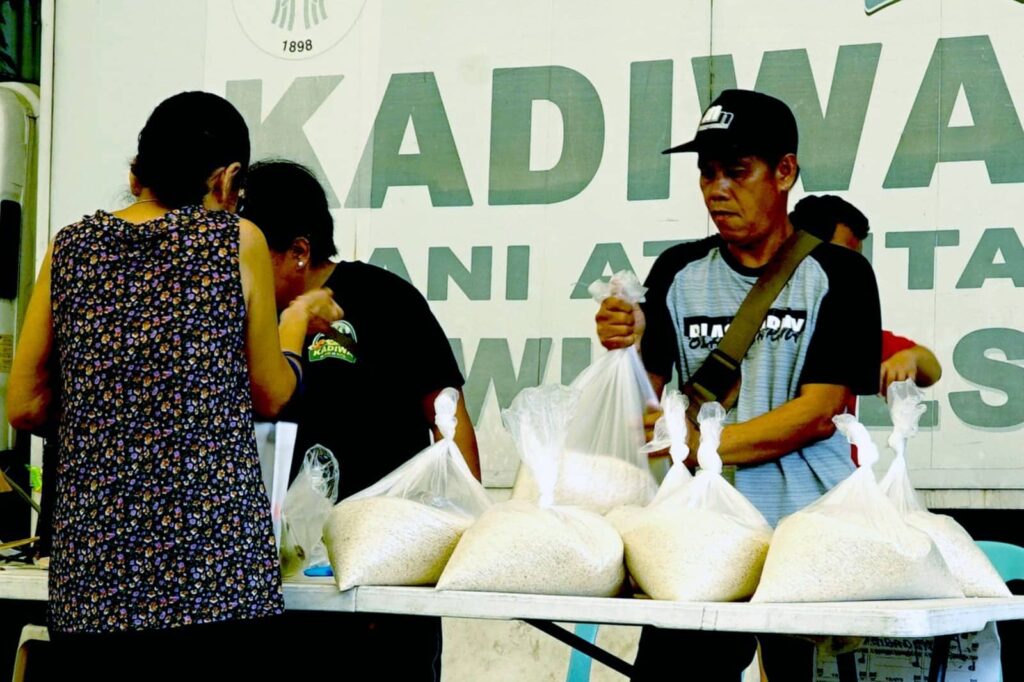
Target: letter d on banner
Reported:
point(514, 91)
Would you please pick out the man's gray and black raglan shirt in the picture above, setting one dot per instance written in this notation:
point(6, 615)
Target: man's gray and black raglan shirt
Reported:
point(823, 328)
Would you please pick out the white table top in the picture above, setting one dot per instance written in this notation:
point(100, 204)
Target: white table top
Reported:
point(912, 618)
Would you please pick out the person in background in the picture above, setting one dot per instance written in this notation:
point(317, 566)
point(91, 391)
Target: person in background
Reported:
point(780, 434)
point(160, 319)
point(836, 220)
point(369, 390)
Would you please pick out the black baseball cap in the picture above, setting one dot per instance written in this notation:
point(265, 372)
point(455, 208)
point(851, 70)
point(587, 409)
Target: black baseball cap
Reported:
point(744, 123)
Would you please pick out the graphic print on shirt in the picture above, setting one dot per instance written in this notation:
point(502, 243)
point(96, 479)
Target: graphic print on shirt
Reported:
point(780, 325)
point(340, 343)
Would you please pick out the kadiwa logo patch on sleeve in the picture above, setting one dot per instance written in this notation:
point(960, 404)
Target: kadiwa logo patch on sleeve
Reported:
point(340, 343)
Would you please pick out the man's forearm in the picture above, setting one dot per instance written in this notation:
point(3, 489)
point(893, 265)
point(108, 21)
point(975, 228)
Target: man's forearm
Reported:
point(928, 368)
point(789, 427)
point(465, 438)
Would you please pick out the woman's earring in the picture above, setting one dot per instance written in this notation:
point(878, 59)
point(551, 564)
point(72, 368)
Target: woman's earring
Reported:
point(302, 263)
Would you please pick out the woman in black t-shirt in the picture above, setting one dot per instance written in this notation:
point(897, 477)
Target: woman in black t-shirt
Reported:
point(368, 392)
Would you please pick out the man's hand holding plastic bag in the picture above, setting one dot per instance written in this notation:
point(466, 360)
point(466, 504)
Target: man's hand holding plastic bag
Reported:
point(602, 467)
point(620, 321)
point(625, 288)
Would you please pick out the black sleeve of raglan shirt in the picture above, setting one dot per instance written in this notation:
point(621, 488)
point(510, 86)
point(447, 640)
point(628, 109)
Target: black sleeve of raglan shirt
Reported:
point(659, 346)
point(846, 348)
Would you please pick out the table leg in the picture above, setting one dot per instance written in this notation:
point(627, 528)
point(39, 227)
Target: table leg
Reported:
point(847, 664)
point(940, 658)
point(592, 650)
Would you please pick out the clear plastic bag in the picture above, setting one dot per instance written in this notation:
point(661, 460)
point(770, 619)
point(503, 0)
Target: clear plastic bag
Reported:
point(603, 467)
point(669, 434)
point(307, 505)
point(853, 544)
point(538, 547)
point(702, 540)
point(402, 529)
point(974, 572)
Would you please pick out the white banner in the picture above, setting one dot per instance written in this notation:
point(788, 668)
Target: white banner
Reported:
point(500, 155)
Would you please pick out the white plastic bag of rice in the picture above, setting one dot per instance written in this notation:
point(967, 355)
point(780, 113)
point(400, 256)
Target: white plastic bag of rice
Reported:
point(538, 547)
point(974, 572)
point(603, 467)
point(702, 540)
point(403, 529)
point(853, 544)
point(519, 546)
point(620, 516)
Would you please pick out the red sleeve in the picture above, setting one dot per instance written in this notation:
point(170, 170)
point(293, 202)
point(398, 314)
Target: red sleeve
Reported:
point(892, 344)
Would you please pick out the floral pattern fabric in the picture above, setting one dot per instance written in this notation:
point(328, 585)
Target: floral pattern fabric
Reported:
point(161, 518)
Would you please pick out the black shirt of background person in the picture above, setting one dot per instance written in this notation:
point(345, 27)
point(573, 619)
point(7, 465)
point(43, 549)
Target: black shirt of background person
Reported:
point(363, 400)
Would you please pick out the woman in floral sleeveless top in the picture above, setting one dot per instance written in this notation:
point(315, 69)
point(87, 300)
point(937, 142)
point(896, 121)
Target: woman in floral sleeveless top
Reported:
point(161, 320)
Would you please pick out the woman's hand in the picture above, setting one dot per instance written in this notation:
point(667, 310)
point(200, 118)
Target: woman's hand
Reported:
point(317, 307)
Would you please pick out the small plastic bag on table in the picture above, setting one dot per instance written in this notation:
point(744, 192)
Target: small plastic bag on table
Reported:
point(702, 540)
point(853, 544)
point(975, 574)
point(307, 504)
point(403, 529)
point(538, 547)
point(602, 467)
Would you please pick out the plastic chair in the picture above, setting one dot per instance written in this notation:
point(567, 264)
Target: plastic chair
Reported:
point(29, 633)
point(1008, 559)
point(579, 662)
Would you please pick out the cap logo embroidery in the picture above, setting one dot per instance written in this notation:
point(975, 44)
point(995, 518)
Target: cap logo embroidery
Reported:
point(715, 118)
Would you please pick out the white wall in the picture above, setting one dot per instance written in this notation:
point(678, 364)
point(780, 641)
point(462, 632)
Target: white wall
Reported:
point(115, 59)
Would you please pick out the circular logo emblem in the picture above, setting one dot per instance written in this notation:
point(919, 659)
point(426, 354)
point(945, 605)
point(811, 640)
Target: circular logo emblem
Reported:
point(343, 327)
point(297, 29)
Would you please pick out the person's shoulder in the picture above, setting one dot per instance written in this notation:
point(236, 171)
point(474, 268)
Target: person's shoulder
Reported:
point(251, 239)
point(840, 261)
point(85, 228)
point(248, 230)
point(676, 258)
point(379, 281)
point(71, 232)
point(689, 251)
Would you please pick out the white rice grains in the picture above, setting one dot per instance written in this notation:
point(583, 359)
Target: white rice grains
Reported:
point(693, 554)
point(596, 482)
point(818, 557)
point(972, 569)
point(517, 546)
point(390, 541)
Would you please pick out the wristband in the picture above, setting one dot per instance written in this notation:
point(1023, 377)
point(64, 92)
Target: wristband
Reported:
point(295, 362)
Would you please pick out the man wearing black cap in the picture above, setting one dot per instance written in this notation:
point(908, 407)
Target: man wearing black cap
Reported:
point(819, 345)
